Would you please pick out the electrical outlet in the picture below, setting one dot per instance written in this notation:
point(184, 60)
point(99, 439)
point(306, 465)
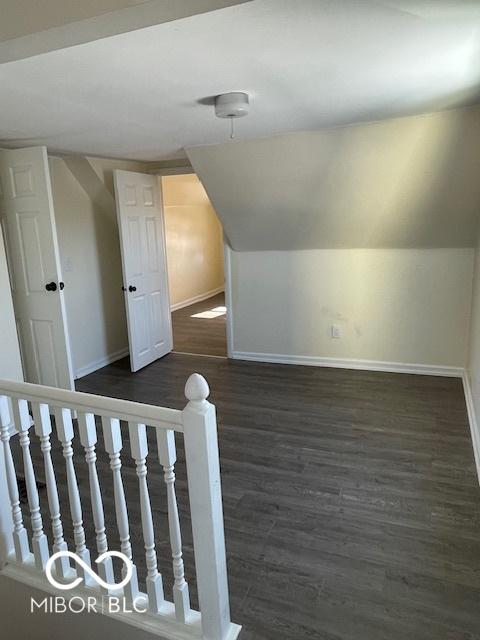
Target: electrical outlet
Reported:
point(336, 331)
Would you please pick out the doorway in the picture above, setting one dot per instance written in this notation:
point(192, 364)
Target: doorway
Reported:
point(79, 274)
point(195, 259)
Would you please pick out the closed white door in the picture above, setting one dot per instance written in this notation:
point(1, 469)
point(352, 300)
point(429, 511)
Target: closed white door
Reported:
point(144, 262)
point(28, 222)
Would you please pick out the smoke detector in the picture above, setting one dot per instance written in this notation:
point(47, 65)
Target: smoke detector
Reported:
point(232, 105)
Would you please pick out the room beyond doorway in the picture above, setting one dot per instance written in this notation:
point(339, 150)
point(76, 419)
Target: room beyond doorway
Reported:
point(195, 258)
point(201, 328)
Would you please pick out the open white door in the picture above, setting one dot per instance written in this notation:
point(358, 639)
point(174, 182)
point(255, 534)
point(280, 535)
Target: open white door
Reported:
point(28, 222)
point(144, 263)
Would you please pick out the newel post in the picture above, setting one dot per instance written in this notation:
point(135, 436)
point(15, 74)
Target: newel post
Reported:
point(203, 471)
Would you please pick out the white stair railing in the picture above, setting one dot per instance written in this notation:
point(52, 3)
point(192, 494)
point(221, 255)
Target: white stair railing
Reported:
point(139, 449)
point(20, 537)
point(64, 424)
point(43, 429)
point(88, 438)
point(113, 445)
point(39, 539)
point(168, 456)
point(35, 404)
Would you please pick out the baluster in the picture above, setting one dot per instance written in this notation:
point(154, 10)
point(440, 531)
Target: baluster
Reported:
point(139, 449)
point(7, 548)
point(113, 446)
point(64, 425)
point(39, 541)
point(20, 536)
point(43, 429)
point(168, 456)
point(88, 438)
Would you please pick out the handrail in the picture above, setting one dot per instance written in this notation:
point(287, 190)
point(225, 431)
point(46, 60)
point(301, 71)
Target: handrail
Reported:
point(198, 426)
point(126, 410)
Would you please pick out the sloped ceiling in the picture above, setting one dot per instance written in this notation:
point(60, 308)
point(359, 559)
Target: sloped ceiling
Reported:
point(24, 17)
point(30, 28)
point(410, 182)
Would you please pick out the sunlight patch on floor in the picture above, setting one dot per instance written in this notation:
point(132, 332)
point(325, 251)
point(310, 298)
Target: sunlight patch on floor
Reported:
point(216, 312)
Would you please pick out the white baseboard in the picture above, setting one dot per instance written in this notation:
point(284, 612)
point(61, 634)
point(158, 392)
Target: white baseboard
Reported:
point(199, 298)
point(472, 419)
point(102, 362)
point(348, 363)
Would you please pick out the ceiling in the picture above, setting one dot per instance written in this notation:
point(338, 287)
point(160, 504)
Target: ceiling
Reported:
point(307, 65)
point(24, 17)
point(31, 28)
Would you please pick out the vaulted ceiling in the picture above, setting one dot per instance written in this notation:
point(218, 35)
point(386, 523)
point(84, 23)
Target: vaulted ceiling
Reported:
point(307, 65)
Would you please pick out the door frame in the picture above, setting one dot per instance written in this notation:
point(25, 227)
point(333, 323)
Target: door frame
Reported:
point(227, 271)
point(227, 254)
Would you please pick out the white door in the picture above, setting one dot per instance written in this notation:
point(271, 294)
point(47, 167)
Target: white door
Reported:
point(28, 222)
point(144, 263)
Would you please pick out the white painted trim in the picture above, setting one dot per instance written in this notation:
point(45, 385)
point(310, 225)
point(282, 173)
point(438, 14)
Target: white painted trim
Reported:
point(227, 271)
point(347, 363)
point(199, 298)
point(472, 419)
point(126, 410)
point(101, 362)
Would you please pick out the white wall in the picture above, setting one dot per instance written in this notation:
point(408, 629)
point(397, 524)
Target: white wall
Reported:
point(194, 240)
point(10, 362)
point(90, 256)
point(393, 306)
point(370, 226)
point(10, 368)
point(472, 378)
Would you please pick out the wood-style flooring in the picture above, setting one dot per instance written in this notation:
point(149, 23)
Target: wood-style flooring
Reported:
point(205, 336)
point(352, 507)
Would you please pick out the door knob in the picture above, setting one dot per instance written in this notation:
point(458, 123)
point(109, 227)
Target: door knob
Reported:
point(61, 285)
point(130, 288)
point(51, 286)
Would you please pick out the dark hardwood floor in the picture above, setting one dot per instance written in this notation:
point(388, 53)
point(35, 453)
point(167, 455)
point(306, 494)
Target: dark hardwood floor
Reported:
point(205, 336)
point(352, 508)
